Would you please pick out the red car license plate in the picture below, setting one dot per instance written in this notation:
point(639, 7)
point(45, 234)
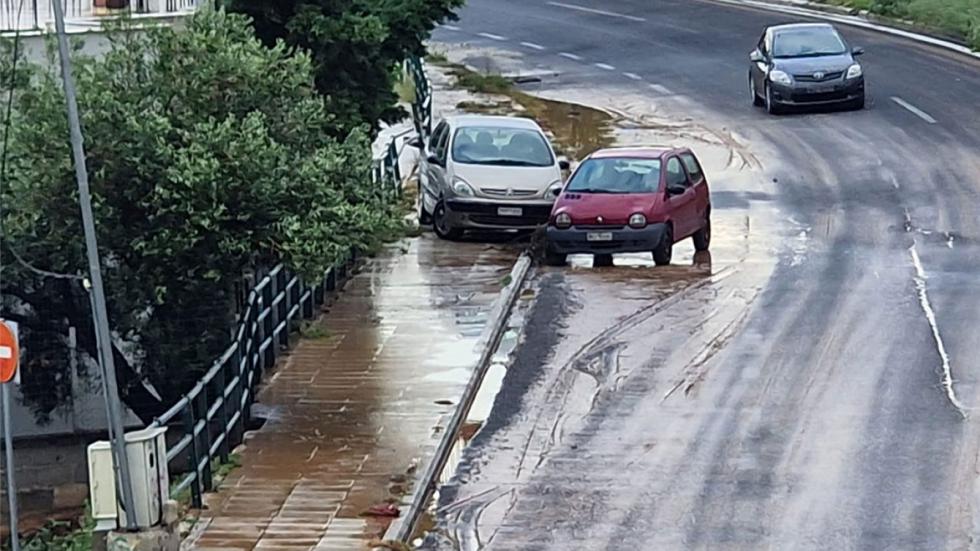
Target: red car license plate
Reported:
point(599, 236)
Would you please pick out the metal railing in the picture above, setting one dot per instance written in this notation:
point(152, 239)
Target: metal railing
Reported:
point(32, 15)
point(212, 417)
point(422, 103)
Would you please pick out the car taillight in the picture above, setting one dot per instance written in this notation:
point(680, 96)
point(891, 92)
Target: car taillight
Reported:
point(563, 221)
point(638, 221)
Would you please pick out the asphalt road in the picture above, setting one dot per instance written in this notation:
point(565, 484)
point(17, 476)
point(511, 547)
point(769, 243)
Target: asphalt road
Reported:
point(797, 398)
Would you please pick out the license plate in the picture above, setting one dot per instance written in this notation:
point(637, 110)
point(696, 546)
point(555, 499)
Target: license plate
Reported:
point(510, 211)
point(599, 236)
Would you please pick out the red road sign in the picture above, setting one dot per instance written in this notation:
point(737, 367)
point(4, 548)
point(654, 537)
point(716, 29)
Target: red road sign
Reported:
point(9, 353)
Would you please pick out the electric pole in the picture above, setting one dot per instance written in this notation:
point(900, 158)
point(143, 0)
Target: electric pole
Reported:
point(103, 338)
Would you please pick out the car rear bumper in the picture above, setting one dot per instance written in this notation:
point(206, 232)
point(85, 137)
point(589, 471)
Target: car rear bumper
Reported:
point(623, 240)
point(488, 215)
point(818, 94)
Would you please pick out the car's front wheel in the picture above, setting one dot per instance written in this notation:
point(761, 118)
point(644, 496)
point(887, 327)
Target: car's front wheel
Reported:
point(772, 106)
point(857, 104)
point(554, 258)
point(665, 249)
point(702, 239)
point(756, 99)
point(425, 217)
point(441, 224)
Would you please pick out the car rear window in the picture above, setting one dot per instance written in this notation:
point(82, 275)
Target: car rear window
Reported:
point(807, 42)
point(485, 145)
point(619, 175)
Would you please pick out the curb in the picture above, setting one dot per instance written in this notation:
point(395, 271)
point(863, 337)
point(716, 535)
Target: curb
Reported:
point(402, 528)
point(811, 10)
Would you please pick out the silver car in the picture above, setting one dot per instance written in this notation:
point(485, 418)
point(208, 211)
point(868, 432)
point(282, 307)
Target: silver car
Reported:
point(491, 173)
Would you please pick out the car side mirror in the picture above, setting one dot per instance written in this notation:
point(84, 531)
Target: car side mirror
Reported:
point(675, 189)
point(857, 51)
point(415, 142)
point(563, 164)
point(756, 56)
point(433, 160)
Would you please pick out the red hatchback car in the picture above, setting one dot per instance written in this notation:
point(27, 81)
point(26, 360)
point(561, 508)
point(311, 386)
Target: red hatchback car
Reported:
point(631, 200)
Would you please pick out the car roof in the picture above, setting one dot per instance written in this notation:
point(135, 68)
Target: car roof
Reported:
point(796, 26)
point(636, 152)
point(492, 120)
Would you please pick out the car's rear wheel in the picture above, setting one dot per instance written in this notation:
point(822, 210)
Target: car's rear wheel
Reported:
point(772, 106)
point(441, 224)
point(756, 99)
point(665, 249)
point(702, 239)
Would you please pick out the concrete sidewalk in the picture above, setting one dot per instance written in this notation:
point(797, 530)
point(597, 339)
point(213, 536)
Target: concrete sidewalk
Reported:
point(352, 411)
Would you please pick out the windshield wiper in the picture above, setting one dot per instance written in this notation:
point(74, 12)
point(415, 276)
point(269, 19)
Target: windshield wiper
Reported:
point(507, 162)
point(590, 190)
point(808, 54)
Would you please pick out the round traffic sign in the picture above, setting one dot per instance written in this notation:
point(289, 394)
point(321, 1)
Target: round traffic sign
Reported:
point(9, 353)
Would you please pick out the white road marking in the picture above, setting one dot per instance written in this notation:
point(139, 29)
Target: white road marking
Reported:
point(570, 56)
point(920, 285)
point(914, 110)
point(533, 46)
point(451, 27)
point(496, 37)
point(660, 88)
point(633, 76)
point(595, 11)
point(605, 66)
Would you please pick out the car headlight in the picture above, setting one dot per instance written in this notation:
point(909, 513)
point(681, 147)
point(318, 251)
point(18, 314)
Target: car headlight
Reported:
point(780, 77)
point(462, 189)
point(563, 220)
point(638, 220)
point(854, 71)
point(554, 190)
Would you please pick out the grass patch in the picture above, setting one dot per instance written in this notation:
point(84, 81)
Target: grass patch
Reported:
point(62, 536)
point(478, 83)
point(436, 58)
point(313, 330)
point(959, 19)
point(405, 86)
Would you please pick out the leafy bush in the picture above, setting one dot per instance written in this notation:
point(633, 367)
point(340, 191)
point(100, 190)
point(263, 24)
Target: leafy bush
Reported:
point(355, 46)
point(209, 154)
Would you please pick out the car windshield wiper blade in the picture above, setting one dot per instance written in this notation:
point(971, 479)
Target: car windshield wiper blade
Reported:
point(808, 54)
point(589, 190)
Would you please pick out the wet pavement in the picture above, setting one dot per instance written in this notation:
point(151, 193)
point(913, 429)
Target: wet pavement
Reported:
point(353, 410)
point(816, 387)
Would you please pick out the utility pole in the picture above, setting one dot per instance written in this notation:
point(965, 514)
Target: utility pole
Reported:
point(103, 338)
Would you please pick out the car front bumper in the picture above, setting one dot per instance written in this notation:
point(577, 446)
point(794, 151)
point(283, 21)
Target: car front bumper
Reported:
point(496, 215)
point(807, 93)
point(622, 239)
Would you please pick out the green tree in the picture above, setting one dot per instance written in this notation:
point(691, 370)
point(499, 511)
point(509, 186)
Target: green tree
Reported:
point(356, 45)
point(209, 155)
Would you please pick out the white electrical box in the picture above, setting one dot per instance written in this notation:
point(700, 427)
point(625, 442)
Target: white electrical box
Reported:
point(146, 453)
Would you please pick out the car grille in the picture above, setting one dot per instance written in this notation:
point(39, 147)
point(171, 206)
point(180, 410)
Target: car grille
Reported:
point(598, 227)
point(826, 77)
point(818, 97)
point(499, 192)
point(493, 220)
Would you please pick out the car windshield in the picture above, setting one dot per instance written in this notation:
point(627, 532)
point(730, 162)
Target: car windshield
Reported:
point(807, 42)
point(619, 175)
point(485, 145)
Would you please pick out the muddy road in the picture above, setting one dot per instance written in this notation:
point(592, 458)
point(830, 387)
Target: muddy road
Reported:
point(810, 385)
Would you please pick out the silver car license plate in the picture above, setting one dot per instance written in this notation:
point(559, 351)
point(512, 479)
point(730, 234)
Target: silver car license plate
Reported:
point(510, 211)
point(599, 236)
